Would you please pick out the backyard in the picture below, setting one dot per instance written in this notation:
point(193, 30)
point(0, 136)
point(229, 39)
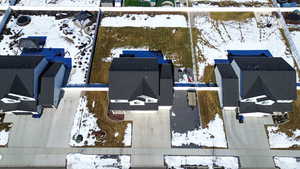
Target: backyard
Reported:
point(94, 125)
point(218, 32)
point(136, 34)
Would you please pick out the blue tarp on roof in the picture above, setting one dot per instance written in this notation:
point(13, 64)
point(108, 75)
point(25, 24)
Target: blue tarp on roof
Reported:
point(249, 53)
point(221, 61)
point(144, 53)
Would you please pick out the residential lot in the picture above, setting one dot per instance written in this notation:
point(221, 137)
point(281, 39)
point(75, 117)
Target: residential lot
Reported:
point(93, 127)
point(219, 32)
point(118, 32)
point(62, 31)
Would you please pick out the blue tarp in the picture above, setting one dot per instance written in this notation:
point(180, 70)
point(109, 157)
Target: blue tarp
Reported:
point(221, 61)
point(143, 53)
point(195, 85)
point(265, 53)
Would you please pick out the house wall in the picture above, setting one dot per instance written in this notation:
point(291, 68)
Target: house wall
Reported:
point(37, 72)
point(219, 83)
point(58, 82)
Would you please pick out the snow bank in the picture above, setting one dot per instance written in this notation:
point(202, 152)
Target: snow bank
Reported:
point(278, 139)
point(64, 33)
point(142, 20)
point(74, 3)
point(253, 34)
point(226, 162)
point(213, 136)
point(85, 123)
point(287, 162)
point(81, 161)
point(127, 136)
point(4, 135)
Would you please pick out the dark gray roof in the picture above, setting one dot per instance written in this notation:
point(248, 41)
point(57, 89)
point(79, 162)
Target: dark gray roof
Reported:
point(52, 69)
point(166, 71)
point(46, 96)
point(134, 64)
point(277, 85)
point(125, 106)
point(133, 77)
point(248, 107)
point(262, 64)
point(226, 71)
point(19, 62)
point(24, 106)
point(230, 92)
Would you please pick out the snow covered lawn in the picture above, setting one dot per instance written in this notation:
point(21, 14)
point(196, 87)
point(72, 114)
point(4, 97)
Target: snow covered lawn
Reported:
point(4, 2)
point(82, 161)
point(92, 127)
point(79, 3)
point(61, 33)
point(143, 20)
point(287, 162)
point(85, 125)
point(179, 162)
point(215, 37)
point(279, 139)
point(212, 136)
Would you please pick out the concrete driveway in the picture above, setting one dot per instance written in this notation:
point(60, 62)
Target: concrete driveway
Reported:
point(249, 136)
point(150, 131)
point(51, 131)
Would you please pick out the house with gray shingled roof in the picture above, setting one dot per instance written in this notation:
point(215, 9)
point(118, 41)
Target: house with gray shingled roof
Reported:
point(31, 84)
point(256, 84)
point(140, 83)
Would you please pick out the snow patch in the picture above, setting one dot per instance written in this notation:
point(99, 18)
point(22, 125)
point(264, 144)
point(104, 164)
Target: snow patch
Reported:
point(116, 52)
point(213, 136)
point(141, 20)
point(85, 123)
point(279, 139)
point(81, 161)
point(4, 135)
point(209, 161)
point(287, 162)
point(127, 136)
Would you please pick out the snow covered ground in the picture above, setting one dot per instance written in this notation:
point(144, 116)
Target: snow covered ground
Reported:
point(63, 33)
point(127, 136)
point(213, 136)
point(287, 162)
point(81, 161)
point(4, 2)
point(253, 34)
point(296, 38)
point(278, 139)
point(85, 123)
point(142, 20)
point(79, 3)
point(4, 135)
point(227, 162)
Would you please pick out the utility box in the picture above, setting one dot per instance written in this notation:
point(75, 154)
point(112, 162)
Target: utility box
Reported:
point(192, 98)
